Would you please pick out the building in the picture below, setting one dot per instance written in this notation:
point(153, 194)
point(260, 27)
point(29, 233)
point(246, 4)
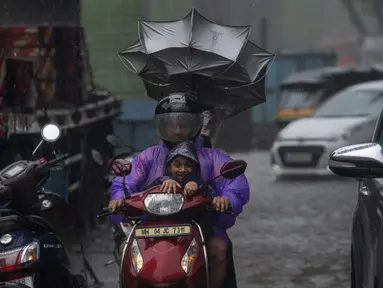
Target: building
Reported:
point(110, 27)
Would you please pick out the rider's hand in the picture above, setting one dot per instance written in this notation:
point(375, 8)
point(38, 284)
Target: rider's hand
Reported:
point(114, 205)
point(190, 188)
point(170, 186)
point(121, 167)
point(221, 203)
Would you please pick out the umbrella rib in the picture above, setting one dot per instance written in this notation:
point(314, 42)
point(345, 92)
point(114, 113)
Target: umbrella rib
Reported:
point(140, 37)
point(156, 84)
point(268, 68)
point(190, 38)
point(123, 62)
point(243, 46)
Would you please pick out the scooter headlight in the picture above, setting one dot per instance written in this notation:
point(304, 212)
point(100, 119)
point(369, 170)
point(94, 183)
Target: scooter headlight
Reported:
point(14, 259)
point(189, 257)
point(137, 260)
point(164, 203)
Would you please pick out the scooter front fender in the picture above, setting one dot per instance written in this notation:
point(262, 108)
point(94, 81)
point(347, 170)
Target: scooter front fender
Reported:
point(162, 260)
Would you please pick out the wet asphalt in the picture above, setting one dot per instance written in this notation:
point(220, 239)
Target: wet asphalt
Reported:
point(292, 233)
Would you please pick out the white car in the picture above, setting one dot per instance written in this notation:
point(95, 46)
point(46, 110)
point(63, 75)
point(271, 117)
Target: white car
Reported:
point(303, 147)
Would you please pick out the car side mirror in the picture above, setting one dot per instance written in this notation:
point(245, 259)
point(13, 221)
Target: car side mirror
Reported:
point(358, 161)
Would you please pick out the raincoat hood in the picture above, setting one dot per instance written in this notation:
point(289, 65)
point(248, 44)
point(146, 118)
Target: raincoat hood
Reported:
point(185, 149)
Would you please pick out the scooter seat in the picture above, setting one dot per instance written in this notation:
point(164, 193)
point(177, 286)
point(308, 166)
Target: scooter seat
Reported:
point(41, 222)
point(12, 223)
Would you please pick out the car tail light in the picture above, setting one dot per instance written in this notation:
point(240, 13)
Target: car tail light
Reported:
point(12, 260)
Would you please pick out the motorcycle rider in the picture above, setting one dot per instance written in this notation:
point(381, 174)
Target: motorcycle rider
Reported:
point(178, 118)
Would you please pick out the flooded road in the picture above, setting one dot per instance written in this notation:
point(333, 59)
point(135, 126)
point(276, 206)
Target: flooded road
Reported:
point(292, 233)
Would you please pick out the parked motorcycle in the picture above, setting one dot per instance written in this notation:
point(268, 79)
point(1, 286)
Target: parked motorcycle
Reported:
point(32, 252)
point(112, 168)
point(168, 250)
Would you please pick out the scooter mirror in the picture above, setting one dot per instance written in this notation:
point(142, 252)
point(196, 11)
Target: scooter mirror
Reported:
point(114, 141)
point(97, 158)
point(50, 132)
point(233, 168)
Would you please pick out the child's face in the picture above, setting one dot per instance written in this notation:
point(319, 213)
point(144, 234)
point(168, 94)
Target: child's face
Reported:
point(180, 167)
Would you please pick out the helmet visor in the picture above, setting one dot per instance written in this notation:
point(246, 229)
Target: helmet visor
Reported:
point(178, 126)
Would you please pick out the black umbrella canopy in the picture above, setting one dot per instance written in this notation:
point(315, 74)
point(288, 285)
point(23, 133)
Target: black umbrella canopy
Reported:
point(218, 62)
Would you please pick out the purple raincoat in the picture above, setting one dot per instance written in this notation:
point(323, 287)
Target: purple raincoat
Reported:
point(151, 164)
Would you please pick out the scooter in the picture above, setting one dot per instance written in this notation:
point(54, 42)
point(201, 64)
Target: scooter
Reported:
point(169, 249)
point(116, 166)
point(32, 252)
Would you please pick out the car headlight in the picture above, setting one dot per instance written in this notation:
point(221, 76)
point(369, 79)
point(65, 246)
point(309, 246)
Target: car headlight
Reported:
point(343, 137)
point(164, 203)
point(189, 257)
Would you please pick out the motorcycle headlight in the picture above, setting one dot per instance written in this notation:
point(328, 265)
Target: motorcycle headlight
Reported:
point(164, 203)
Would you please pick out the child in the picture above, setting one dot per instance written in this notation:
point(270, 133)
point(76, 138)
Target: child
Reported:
point(182, 171)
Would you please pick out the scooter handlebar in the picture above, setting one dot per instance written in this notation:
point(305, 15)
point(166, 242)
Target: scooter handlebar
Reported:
point(58, 159)
point(105, 212)
point(210, 207)
point(43, 167)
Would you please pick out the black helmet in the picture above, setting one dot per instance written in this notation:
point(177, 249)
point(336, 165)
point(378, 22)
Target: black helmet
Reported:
point(178, 117)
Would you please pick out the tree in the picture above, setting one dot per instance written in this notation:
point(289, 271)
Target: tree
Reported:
point(365, 15)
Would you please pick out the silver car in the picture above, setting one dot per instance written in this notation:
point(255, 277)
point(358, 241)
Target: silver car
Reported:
point(303, 147)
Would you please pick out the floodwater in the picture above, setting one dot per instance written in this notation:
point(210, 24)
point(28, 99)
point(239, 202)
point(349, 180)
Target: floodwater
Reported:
point(292, 233)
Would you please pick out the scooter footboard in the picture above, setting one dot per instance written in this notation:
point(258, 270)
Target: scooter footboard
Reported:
point(164, 253)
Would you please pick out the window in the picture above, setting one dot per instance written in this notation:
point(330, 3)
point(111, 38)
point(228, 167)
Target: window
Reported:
point(378, 137)
point(300, 98)
point(352, 103)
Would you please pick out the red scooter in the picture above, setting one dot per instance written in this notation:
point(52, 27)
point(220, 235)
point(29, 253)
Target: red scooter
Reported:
point(168, 250)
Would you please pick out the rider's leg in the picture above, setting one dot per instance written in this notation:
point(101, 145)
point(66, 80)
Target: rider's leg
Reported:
point(217, 250)
point(230, 279)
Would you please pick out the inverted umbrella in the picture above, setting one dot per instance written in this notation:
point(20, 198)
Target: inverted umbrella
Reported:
point(218, 62)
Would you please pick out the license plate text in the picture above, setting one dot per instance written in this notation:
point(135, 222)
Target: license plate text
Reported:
point(168, 231)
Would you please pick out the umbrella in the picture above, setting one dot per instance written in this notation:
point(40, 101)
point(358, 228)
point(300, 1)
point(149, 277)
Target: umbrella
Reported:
point(217, 62)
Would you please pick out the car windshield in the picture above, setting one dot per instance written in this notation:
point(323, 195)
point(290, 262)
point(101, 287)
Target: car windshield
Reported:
point(350, 103)
point(299, 98)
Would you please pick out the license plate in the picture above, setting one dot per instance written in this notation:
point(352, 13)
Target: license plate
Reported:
point(27, 281)
point(167, 231)
point(298, 157)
